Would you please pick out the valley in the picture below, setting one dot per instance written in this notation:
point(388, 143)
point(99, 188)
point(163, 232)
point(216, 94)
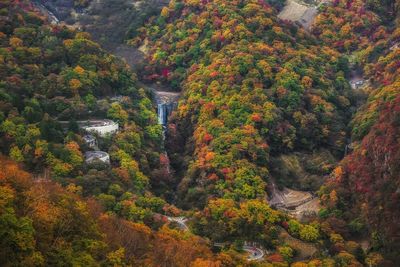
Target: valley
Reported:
point(199, 133)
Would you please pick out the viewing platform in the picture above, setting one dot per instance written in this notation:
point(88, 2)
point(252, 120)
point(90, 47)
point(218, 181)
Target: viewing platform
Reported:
point(101, 127)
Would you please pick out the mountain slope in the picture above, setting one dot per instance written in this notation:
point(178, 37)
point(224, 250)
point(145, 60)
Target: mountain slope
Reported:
point(363, 190)
point(251, 88)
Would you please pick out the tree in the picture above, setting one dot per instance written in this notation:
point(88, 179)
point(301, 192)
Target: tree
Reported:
point(117, 257)
point(309, 233)
point(294, 227)
point(16, 154)
point(117, 113)
point(286, 252)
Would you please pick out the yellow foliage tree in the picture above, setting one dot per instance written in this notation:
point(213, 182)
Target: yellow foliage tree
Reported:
point(78, 69)
point(75, 84)
point(16, 42)
point(165, 12)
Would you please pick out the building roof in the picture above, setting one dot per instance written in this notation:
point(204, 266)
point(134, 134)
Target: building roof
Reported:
point(96, 155)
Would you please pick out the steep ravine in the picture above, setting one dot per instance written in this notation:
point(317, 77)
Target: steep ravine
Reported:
point(164, 100)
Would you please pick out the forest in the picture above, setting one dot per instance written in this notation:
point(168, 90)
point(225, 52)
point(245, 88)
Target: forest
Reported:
point(282, 149)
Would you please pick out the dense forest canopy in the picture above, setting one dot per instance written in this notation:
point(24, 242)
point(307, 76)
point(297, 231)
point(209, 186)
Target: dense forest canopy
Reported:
point(366, 183)
point(267, 110)
point(251, 89)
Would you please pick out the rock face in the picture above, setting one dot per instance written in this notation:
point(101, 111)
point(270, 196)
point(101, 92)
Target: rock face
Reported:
point(60, 8)
point(297, 203)
point(109, 22)
point(297, 11)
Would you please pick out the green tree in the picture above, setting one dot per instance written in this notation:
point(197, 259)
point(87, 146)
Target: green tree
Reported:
point(309, 233)
point(16, 154)
point(116, 112)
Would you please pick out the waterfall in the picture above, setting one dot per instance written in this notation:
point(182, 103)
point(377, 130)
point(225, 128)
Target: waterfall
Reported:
point(164, 110)
point(348, 148)
point(165, 103)
point(162, 116)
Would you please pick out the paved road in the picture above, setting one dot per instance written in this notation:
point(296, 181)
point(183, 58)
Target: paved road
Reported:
point(254, 253)
point(181, 221)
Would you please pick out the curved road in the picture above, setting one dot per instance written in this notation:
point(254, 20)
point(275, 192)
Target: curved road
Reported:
point(181, 221)
point(255, 253)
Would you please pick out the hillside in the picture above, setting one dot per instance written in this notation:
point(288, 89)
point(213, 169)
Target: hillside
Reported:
point(52, 78)
point(251, 90)
point(110, 23)
point(364, 188)
point(199, 133)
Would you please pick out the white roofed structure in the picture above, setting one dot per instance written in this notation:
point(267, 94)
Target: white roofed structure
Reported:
point(101, 127)
point(93, 156)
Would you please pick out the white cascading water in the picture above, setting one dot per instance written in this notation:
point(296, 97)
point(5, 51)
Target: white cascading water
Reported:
point(163, 111)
